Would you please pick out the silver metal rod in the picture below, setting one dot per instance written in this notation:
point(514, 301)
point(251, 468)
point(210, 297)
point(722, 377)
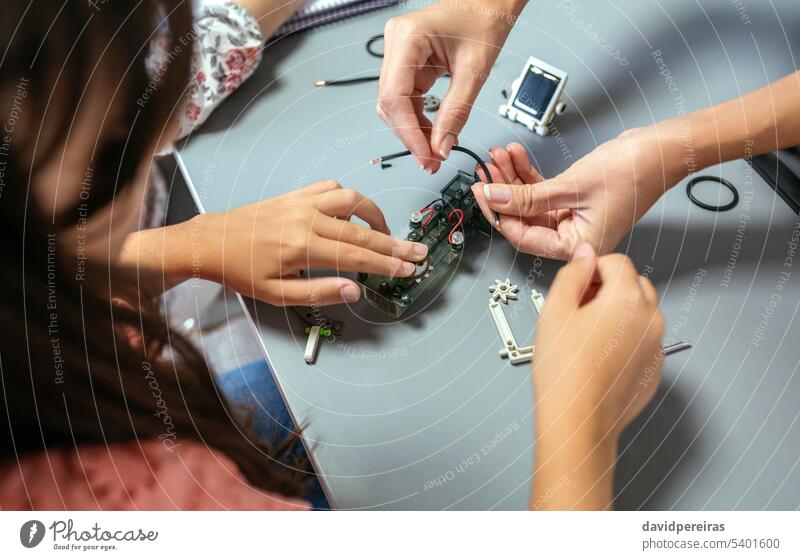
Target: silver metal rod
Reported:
point(677, 347)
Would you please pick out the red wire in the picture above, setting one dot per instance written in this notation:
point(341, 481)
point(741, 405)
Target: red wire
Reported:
point(430, 216)
point(460, 214)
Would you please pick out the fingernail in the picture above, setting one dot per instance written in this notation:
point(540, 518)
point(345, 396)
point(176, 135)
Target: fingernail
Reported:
point(447, 144)
point(508, 147)
point(350, 293)
point(583, 251)
point(497, 193)
point(407, 269)
point(420, 249)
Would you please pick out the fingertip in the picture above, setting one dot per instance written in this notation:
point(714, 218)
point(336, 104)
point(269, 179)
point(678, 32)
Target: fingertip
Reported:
point(446, 145)
point(349, 291)
point(406, 269)
point(584, 251)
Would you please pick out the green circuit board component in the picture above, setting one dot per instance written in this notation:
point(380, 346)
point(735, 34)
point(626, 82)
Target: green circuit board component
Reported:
point(394, 296)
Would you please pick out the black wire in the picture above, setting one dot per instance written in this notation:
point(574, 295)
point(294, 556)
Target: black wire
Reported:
point(467, 151)
point(474, 156)
point(352, 81)
point(363, 79)
point(348, 81)
point(438, 209)
point(393, 156)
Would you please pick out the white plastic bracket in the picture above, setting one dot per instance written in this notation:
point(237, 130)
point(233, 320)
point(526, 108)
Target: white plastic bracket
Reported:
point(503, 292)
point(538, 301)
point(312, 346)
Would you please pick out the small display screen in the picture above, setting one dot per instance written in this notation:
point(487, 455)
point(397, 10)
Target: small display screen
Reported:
point(536, 91)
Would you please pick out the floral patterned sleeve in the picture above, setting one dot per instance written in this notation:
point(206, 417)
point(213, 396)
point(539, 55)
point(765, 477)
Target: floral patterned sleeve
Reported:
point(227, 50)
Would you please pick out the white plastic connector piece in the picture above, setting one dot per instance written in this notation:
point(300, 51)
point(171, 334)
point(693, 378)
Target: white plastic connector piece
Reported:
point(538, 301)
point(312, 345)
point(502, 292)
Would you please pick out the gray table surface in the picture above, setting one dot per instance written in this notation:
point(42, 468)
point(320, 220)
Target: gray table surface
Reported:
point(422, 413)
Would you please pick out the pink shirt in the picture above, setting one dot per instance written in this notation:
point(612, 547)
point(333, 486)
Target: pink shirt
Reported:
point(132, 476)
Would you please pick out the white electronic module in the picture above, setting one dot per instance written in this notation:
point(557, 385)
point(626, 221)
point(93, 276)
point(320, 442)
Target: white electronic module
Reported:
point(536, 96)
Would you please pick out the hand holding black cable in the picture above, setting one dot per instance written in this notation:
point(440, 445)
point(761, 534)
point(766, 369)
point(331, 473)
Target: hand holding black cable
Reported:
point(461, 149)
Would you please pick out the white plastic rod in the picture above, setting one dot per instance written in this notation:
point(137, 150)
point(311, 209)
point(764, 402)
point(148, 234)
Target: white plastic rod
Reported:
point(312, 345)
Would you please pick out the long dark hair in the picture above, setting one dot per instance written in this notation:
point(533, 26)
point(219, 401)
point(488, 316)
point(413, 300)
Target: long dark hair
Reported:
point(68, 375)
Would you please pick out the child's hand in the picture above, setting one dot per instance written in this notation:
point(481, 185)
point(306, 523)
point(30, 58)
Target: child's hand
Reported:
point(598, 343)
point(597, 200)
point(259, 250)
point(596, 364)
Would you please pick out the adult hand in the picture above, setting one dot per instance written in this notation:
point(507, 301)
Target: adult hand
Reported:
point(597, 200)
point(588, 391)
point(460, 38)
point(260, 249)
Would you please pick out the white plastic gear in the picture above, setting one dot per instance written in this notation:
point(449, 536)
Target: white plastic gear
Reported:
point(503, 291)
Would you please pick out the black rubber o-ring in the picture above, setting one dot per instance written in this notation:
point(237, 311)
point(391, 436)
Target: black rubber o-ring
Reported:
point(371, 42)
point(724, 182)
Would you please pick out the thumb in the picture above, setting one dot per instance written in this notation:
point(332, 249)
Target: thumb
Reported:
point(575, 278)
point(529, 200)
point(454, 111)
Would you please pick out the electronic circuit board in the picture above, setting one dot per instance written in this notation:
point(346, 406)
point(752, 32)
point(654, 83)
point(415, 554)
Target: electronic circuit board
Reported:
point(446, 226)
